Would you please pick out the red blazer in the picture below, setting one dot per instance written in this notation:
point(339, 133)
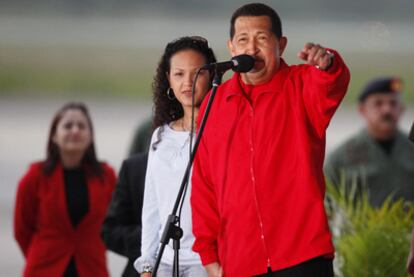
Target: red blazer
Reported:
point(44, 231)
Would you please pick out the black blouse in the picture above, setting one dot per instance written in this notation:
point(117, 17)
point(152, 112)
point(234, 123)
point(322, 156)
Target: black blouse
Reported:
point(78, 205)
point(76, 194)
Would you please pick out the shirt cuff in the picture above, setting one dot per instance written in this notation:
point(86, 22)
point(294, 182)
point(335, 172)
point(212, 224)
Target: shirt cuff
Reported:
point(142, 262)
point(335, 61)
point(208, 257)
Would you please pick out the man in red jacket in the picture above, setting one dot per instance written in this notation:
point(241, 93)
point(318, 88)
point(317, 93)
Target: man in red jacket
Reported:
point(258, 186)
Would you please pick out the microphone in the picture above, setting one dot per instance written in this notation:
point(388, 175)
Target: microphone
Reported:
point(240, 63)
point(411, 135)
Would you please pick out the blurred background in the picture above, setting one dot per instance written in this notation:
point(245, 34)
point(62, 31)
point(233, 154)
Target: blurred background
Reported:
point(104, 52)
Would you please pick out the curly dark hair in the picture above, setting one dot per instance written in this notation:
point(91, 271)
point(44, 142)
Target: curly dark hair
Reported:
point(166, 110)
point(52, 152)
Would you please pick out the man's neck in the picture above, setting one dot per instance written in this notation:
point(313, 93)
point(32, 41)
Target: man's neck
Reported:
point(382, 136)
point(251, 79)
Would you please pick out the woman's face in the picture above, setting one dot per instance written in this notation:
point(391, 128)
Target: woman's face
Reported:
point(183, 67)
point(73, 133)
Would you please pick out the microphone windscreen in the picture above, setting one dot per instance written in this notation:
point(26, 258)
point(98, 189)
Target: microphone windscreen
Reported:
point(243, 63)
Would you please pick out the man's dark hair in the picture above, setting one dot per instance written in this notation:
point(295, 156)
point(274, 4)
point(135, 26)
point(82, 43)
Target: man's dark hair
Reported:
point(257, 9)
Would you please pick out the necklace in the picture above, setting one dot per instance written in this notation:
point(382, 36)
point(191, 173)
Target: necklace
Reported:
point(183, 127)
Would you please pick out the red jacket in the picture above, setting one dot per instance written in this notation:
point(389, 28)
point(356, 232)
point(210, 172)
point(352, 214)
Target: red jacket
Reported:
point(43, 228)
point(258, 186)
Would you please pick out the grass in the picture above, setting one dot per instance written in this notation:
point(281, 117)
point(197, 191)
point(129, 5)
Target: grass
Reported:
point(367, 66)
point(66, 71)
point(370, 241)
point(128, 73)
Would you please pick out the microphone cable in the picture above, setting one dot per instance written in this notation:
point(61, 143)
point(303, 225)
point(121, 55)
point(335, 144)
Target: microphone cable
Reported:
point(192, 130)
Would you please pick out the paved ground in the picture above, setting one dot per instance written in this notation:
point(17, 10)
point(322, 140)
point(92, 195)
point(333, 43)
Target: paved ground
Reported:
point(24, 124)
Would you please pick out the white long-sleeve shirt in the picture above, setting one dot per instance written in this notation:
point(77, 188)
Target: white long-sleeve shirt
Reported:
point(165, 170)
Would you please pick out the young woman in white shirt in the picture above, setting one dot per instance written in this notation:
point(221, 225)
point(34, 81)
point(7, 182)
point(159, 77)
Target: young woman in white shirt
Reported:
point(169, 153)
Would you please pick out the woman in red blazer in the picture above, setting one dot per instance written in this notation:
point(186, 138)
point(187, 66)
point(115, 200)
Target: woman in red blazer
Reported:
point(61, 202)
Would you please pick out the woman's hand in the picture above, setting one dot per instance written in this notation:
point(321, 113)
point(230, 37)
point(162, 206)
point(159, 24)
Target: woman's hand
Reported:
point(214, 270)
point(146, 274)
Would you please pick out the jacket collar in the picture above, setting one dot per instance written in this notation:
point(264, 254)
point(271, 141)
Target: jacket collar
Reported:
point(275, 84)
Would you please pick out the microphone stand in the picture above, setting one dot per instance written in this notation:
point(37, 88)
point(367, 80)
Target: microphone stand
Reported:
point(171, 229)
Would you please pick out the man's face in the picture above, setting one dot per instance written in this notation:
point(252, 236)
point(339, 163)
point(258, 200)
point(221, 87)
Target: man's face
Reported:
point(253, 36)
point(382, 112)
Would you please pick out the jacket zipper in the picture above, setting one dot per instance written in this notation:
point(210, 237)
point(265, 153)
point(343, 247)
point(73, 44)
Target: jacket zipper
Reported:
point(254, 186)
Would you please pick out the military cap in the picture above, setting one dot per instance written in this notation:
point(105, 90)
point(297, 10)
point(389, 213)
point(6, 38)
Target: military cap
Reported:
point(381, 85)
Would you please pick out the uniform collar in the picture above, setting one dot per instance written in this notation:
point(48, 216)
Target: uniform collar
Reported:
point(400, 142)
point(274, 85)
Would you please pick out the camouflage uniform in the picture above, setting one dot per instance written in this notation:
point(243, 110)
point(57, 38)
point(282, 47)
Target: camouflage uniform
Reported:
point(363, 160)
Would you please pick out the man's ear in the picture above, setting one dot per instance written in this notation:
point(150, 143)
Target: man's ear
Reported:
point(361, 109)
point(230, 47)
point(282, 45)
